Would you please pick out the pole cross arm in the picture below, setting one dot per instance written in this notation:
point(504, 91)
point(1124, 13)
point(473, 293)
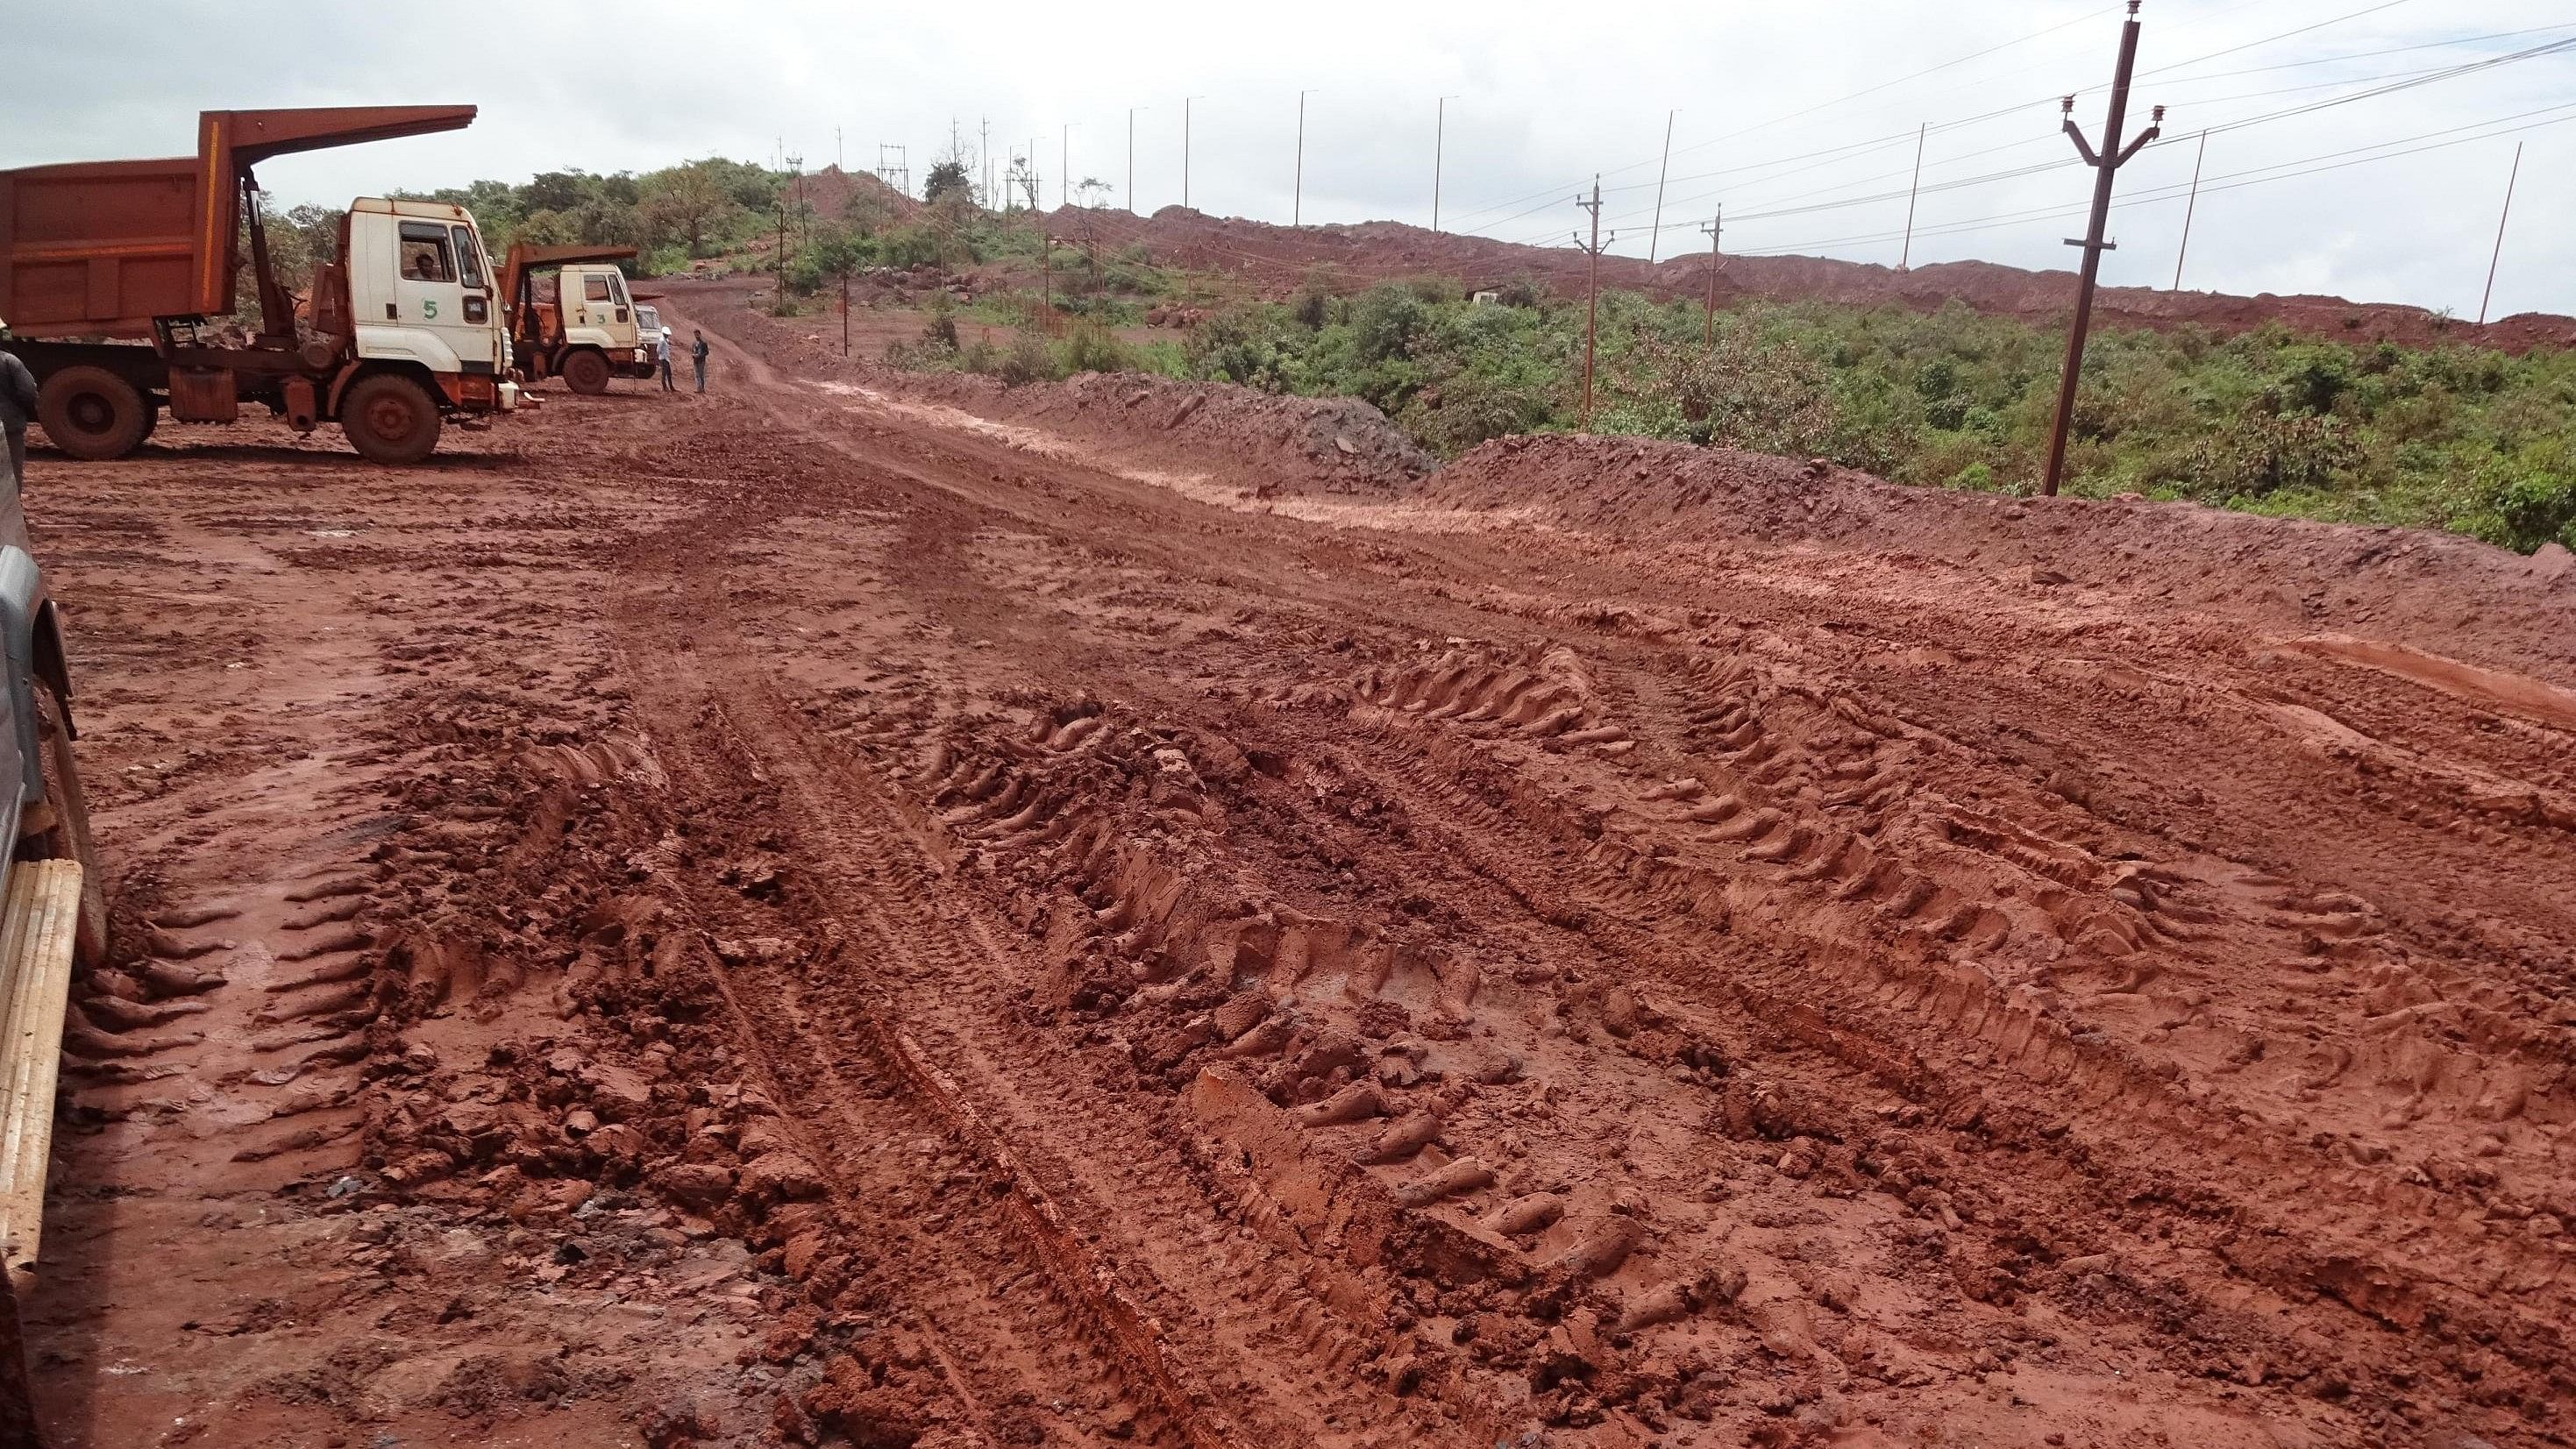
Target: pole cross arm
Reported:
point(2075, 133)
point(2106, 246)
point(2134, 147)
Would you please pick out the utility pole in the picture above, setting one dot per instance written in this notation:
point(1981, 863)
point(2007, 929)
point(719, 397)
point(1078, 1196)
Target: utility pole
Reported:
point(2106, 164)
point(1131, 159)
point(1655, 238)
point(2190, 207)
point(1297, 202)
point(1905, 260)
point(1064, 160)
point(1046, 246)
point(2515, 176)
point(1439, 145)
point(836, 148)
point(1592, 292)
point(1708, 320)
point(984, 149)
point(798, 163)
point(1185, 149)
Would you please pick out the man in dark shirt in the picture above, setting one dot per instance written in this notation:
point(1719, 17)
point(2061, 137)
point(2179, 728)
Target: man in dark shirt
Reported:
point(698, 356)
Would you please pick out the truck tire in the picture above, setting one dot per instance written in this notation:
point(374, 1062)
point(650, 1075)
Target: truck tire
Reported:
point(390, 419)
point(92, 413)
point(67, 837)
point(586, 372)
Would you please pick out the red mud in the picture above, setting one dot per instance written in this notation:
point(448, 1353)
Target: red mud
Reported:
point(803, 916)
point(1279, 259)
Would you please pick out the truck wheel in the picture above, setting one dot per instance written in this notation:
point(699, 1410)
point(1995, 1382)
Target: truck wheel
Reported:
point(67, 838)
point(92, 413)
point(390, 419)
point(586, 372)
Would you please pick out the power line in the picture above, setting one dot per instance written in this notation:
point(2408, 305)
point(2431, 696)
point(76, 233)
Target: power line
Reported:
point(2234, 181)
point(1825, 105)
point(2398, 81)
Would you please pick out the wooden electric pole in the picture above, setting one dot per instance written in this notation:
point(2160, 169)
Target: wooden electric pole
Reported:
point(1905, 259)
point(1655, 238)
point(1131, 159)
point(1297, 198)
point(1439, 148)
point(1592, 293)
point(2106, 164)
point(2190, 206)
point(1708, 319)
point(2510, 179)
point(1064, 160)
point(1185, 149)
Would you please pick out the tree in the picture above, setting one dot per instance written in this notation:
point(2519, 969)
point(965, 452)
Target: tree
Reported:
point(555, 190)
point(688, 200)
point(947, 178)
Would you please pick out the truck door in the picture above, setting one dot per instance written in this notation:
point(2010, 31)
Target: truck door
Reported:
point(622, 332)
point(586, 292)
point(482, 309)
point(429, 294)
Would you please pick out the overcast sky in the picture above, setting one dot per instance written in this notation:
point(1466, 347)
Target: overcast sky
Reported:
point(1544, 96)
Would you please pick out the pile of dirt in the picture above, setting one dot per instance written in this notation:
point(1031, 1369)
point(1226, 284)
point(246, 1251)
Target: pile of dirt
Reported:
point(2418, 587)
point(1305, 445)
point(1334, 445)
point(1278, 260)
point(832, 192)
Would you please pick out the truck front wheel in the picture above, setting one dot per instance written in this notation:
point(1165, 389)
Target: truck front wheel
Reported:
point(92, 413)
point(586, 372)
point(390, 419)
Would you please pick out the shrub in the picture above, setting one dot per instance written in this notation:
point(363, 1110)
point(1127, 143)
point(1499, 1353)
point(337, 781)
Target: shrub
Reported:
point(2262, 453)
point(1090, 347)
point(1029, 360)
point(2524, 500)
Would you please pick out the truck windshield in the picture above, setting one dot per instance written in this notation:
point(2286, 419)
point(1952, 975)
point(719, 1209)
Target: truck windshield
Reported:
point(469, 257)
point(424, 253)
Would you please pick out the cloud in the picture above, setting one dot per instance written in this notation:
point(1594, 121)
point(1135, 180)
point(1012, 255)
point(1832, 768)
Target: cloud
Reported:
point(1782, 110)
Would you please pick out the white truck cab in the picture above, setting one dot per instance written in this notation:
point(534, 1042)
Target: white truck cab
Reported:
point(421, 290)
point(598, 313)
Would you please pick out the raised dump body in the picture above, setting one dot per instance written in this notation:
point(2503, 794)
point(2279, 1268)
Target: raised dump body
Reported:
point(115, 275)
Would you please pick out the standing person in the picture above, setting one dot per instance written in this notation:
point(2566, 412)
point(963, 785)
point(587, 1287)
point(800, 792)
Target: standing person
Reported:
point(662, 355)
point(698, 356)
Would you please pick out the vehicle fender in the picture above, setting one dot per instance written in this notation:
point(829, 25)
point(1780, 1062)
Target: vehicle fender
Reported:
point(443, 387)
point(22, 592)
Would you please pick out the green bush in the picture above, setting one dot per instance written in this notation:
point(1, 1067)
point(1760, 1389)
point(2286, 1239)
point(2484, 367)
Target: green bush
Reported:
point(2445, 436)
point(1029, 360)
point(1090, 347)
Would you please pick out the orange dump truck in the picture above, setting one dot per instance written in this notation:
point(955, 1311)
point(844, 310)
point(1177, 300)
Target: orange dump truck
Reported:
point(116, 278)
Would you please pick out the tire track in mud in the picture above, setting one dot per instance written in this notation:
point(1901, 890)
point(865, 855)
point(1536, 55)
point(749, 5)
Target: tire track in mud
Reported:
point(1013, 1099)
point(1541, 857)
point(1919, 1031)
point(822, 1039)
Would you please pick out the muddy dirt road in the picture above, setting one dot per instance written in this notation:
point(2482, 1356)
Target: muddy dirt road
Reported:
point(828, 920)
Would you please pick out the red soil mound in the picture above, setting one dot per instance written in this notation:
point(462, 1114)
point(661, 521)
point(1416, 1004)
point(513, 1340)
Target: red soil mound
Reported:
point(2420, 588)
point(1278, 258)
